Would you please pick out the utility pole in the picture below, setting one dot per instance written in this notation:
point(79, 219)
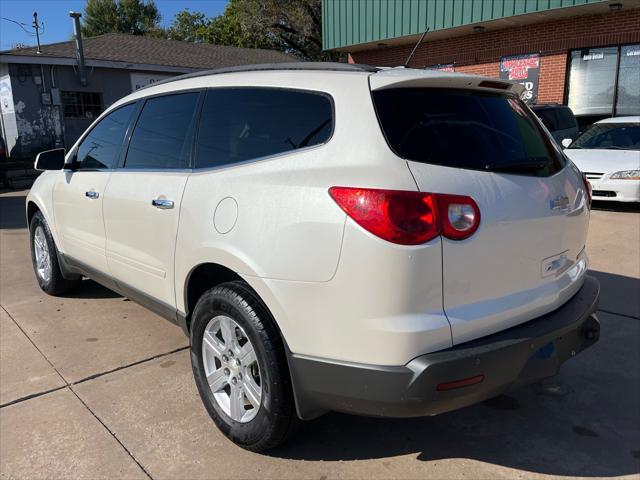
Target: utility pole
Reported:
point(36, 26)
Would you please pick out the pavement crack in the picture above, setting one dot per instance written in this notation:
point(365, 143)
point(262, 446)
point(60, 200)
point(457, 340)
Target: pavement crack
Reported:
point(115, 437)
point(123, 367)
point(39, 351)
point(91, 377)
point(33, 395)
point(626, 315)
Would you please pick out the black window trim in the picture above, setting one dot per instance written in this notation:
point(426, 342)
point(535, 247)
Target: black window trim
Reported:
point(266, 157)
point(191, 134)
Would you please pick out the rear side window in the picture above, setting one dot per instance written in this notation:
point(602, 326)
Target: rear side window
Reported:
point(239, 124)
point(101, 147)
point(161, 138)
point(465, 129)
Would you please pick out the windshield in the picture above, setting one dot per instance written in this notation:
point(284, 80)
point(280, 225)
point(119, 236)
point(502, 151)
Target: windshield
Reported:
point(466, 129)
point(610, 136)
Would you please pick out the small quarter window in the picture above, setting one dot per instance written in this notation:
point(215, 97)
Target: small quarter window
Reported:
point(239, 124)
point(161, 138)
point(101, 147)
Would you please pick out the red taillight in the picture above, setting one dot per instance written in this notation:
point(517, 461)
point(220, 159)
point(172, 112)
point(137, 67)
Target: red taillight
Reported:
point(408, 218)
point(460, 215)
point(442, 387)
point(587, 188)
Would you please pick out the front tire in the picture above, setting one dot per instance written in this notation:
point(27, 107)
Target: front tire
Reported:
point(44, 256)
point(240, 368)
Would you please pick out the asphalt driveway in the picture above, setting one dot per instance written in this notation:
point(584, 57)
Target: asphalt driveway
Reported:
point(94, 386)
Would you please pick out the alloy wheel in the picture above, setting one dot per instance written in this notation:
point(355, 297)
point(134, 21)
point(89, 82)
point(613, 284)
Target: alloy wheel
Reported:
point(41, 251)
point(232, 369)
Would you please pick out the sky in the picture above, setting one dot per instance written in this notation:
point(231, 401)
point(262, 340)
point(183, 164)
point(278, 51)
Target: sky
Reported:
point(57, 23)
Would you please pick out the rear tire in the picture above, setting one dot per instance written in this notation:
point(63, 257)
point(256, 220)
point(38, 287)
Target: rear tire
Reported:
point(262, 380)
point(44, 257)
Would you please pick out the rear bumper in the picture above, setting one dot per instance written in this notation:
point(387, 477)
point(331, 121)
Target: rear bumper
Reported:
point(505, 360)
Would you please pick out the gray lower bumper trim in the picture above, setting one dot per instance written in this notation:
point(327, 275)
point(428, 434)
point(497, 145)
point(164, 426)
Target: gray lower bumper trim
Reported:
point(508, 359)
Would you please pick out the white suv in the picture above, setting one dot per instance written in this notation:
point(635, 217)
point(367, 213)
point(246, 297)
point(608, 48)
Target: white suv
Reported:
point(331, 237)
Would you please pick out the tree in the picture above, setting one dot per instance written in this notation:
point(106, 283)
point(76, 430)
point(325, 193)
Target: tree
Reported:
point(189, 27)
point(225, 29)
point(137, 17)
point(294, 26)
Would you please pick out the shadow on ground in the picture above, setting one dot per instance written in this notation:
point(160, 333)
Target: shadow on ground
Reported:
point(584, 422)
point(89, 289)
point(619, 294)
point(615, 206)
point(13, 212)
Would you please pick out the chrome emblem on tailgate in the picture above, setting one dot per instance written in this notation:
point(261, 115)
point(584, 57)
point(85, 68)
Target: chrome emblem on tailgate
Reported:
point(560, 202)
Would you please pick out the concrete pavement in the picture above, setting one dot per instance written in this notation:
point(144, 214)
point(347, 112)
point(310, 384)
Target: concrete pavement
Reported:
point(94, 386)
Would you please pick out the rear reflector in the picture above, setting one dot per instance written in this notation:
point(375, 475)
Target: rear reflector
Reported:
point(460, 383)
point(409, 218)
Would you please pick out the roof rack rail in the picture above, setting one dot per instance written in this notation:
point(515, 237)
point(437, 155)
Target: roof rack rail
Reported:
point(326, 66)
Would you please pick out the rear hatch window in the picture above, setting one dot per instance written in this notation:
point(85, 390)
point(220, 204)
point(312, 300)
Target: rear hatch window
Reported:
point(466, 129)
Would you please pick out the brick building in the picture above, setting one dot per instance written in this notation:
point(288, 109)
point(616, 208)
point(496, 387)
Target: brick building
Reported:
point(583, 53)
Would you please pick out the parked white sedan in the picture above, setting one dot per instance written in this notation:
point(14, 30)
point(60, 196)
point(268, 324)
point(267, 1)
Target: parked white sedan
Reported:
point(608, 153)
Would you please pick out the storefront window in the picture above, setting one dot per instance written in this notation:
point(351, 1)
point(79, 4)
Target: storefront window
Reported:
point(592, 80)
point(628, 101)
point(602, 77)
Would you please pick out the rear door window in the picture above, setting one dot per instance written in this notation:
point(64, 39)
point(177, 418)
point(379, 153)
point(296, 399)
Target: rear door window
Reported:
point(239, 124)
point(465, 129)
point(162, 136)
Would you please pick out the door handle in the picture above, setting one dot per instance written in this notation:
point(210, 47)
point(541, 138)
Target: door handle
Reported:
point(91, 194)
point(162, 204)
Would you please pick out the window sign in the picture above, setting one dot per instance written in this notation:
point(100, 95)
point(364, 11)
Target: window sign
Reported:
point(592, 79)
point(6, 96)
point(139, 80)
point(628, 94)
point(524, 69)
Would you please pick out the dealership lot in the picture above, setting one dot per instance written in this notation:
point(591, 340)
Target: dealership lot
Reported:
point(94, 386)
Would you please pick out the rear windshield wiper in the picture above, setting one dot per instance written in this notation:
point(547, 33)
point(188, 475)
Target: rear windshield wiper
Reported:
point(531, 166)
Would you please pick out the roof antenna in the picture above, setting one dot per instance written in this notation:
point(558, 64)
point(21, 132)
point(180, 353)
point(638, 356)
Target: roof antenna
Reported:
point(406, 63)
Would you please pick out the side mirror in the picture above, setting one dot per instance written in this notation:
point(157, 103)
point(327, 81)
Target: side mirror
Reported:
point(566, 142)
point(50, 160)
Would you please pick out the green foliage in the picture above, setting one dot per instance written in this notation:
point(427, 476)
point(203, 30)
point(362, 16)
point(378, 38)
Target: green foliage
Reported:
point(137, 17)
point(189, 27)
point(293, 26)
